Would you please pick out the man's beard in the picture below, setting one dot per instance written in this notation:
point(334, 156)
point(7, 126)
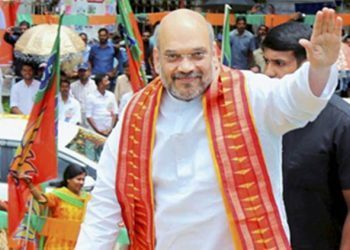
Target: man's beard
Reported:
point(196, 91)
point(103, 42)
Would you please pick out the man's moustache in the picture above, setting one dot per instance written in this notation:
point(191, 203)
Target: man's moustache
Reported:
point(179, 76)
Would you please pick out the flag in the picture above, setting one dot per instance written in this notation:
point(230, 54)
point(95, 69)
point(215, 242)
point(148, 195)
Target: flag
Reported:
point(134, 44)
point(37, 153)
point(13, 7)
point(225, 45)
point(8, 14)
point(25, 236)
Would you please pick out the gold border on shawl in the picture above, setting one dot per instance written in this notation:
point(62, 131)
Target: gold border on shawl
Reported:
point(280, 242)
point(154, 124)
point(233, 227)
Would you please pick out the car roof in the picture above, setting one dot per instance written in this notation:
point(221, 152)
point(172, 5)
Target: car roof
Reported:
point(12, 128)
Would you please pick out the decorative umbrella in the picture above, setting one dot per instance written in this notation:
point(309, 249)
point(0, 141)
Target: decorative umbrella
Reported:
point(36, 43)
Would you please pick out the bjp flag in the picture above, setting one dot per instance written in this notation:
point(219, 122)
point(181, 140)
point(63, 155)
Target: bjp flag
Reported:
point(8, 11)
point(37, 154)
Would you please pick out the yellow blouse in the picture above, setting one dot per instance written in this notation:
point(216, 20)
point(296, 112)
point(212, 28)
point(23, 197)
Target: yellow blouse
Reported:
point(65, 211)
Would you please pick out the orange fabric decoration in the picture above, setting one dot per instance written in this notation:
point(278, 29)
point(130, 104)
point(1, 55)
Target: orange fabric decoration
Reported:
point(217, 19)
point(274, 20)
point(239, 162)
point(100, 20)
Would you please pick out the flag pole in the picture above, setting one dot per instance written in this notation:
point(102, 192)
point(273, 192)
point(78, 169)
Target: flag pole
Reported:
point(225, 43)
point(28, 223)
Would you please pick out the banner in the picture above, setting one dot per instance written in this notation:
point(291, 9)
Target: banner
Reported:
point(8, 12)
point(36, 156)
point(134, 45)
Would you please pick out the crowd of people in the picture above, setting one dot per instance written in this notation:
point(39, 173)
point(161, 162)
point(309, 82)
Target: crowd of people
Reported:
point(204, 151)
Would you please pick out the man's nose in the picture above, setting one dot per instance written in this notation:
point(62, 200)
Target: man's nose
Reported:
point(270, 71)
point(186, 64)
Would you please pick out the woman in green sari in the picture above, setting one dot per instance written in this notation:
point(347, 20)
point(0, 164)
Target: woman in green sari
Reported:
point(66, 205)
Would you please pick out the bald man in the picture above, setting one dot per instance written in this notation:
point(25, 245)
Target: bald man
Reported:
point(195, 162)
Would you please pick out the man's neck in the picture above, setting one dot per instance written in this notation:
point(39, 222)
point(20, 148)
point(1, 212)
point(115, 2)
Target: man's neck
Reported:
point(64, 98)
point(84, 81)
point(102, 91)
point(103, 45)
point(28, 82)
point(240, 33)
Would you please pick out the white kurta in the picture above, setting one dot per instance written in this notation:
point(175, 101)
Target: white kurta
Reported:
point(101, 108)
point(189, 211)
point(23, 96)
point(81, 91)
point(69, 111)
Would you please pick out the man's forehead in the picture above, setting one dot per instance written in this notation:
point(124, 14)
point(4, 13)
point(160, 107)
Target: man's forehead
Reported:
point(188, 50)
point(184, 39)
point(278, 54)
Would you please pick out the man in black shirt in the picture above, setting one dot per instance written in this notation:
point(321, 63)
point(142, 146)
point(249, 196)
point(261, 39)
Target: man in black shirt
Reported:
point(11, 36)
point(316, 158)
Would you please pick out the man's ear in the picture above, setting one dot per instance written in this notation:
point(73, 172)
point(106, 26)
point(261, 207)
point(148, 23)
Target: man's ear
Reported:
point(215, 54)
point(156, 60)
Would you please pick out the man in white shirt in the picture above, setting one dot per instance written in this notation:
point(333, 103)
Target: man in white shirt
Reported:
point(101, 107)
point(68, 107)
point(176, 167)
point(23, 92)
point(82, 88)
point(123, 84)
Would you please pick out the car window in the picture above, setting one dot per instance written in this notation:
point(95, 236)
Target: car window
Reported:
point(64, 161)
point(6, 155)
point(7, 152)
point(87, 144)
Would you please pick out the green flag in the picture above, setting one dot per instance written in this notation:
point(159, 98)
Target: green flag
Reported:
point(225, 44)
point(134, 44)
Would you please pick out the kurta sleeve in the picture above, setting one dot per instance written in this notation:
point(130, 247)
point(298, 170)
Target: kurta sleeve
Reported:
point(14, 97)
point(52, 200)
point(100, 227)
point(89, 105)
point(77, 113)
point(284, 104)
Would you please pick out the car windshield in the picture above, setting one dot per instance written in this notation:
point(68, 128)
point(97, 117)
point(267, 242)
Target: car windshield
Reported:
point(87, 144)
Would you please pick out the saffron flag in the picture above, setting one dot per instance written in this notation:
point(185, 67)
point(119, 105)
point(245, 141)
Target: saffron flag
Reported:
point(8, 14)
point(134, 45)
point(225, 45)
point(37, 154)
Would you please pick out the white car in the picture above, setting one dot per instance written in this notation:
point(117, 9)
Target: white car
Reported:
point(76, 145)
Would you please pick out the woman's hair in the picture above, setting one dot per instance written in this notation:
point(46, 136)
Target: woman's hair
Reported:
point(70, 172)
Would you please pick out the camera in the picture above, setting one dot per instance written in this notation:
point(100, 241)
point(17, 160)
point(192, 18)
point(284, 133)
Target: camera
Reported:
point(17, 31)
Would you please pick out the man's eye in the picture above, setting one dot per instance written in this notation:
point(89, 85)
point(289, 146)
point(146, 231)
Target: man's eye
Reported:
point(280, 63)
point(172, 57)
point(198, 55)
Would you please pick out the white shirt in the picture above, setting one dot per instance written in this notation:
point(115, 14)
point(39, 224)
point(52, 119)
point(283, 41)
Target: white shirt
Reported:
point(23, 96)
point(189, 212)
point(101, 109)
point(69, 111)
point(81, 91)
point(124, 100)
point(1, 84)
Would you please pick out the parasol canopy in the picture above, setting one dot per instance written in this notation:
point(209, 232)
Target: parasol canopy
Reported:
point(36, 43)
point(39, 40)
